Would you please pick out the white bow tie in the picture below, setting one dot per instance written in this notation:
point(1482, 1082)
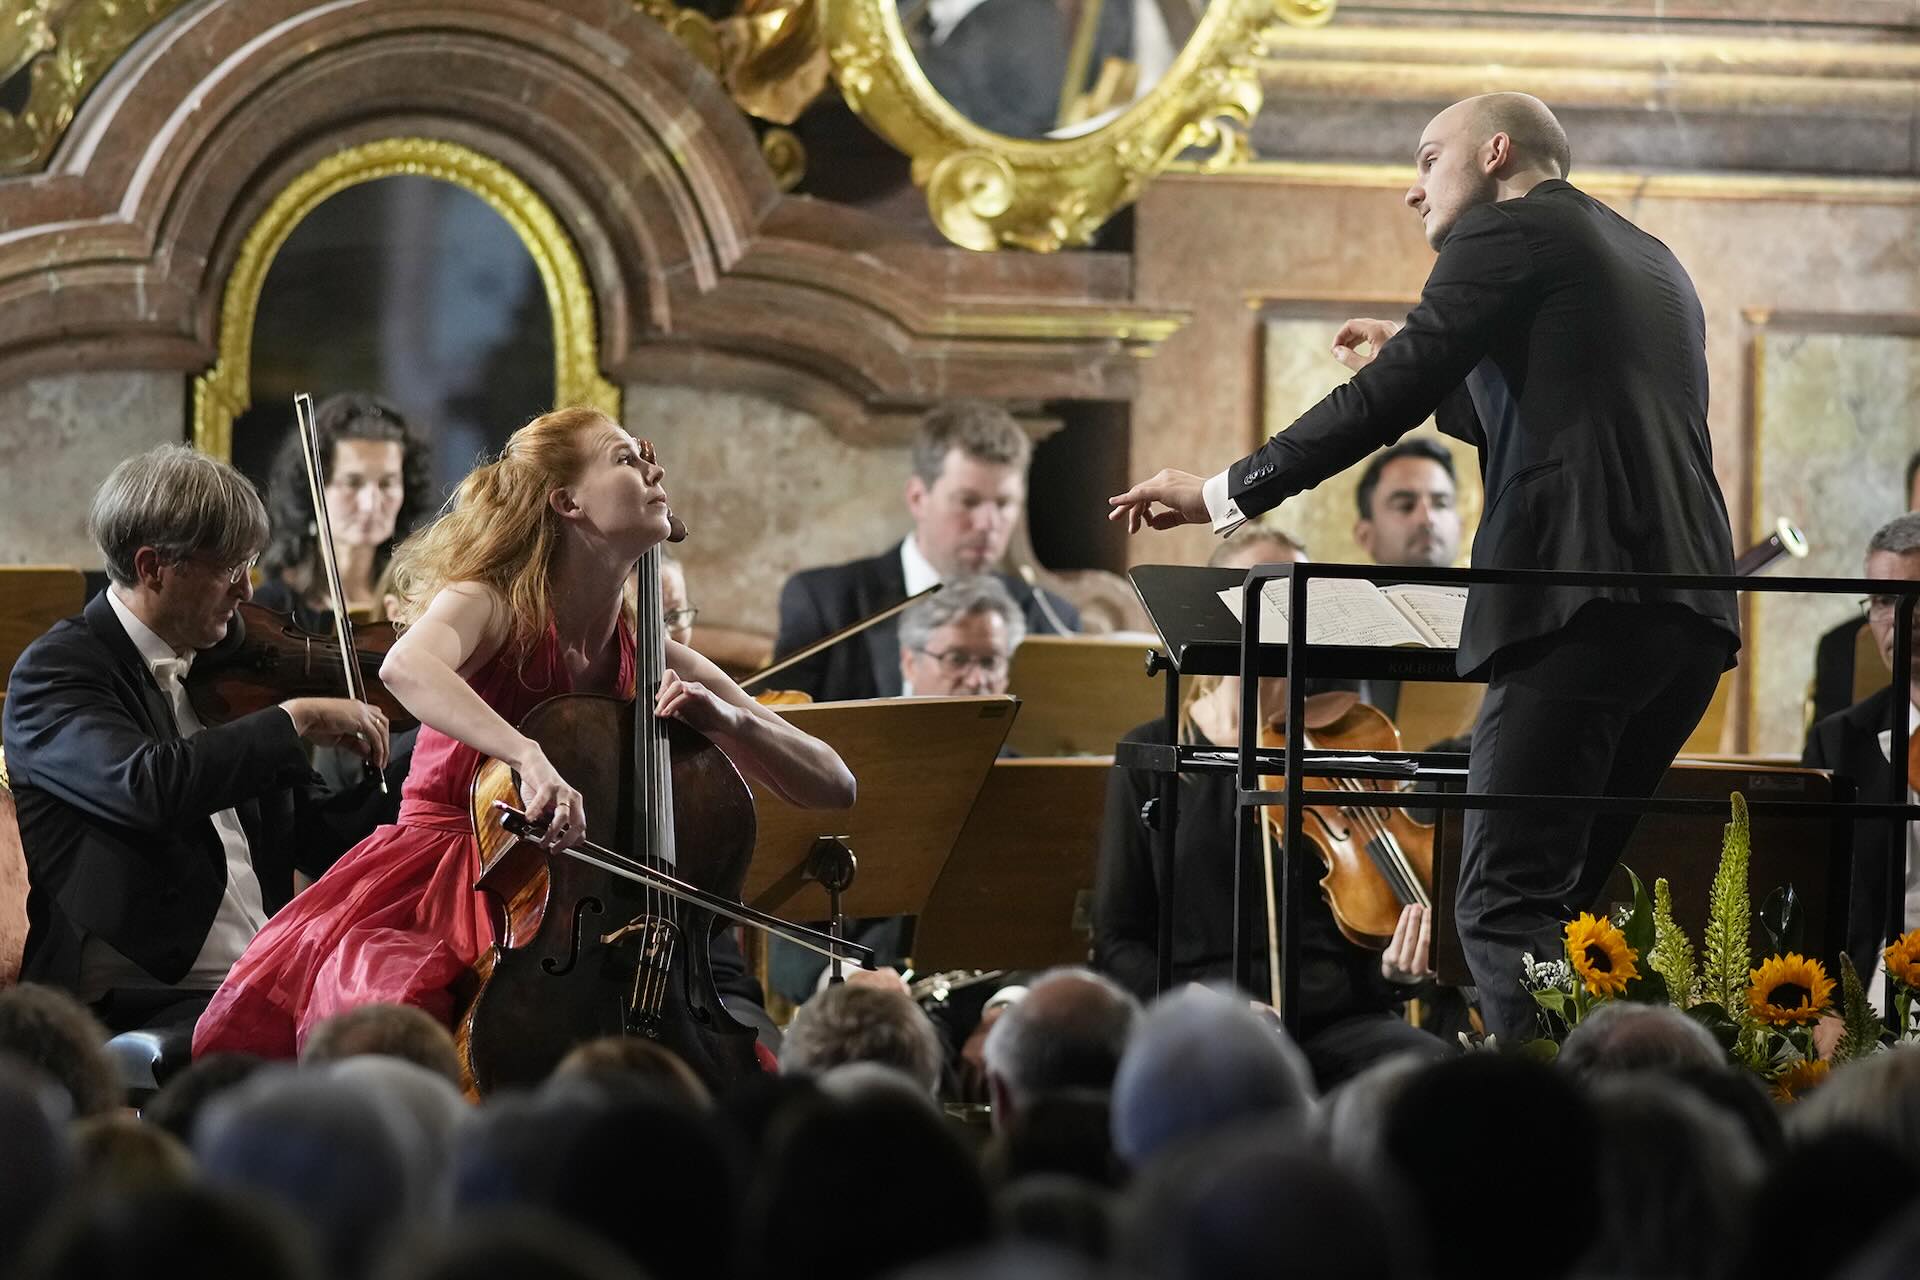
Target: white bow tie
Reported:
point(172, 669)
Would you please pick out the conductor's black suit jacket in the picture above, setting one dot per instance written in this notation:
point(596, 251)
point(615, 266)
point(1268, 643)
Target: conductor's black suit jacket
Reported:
point(1848, 743)
point(1568, 346)
point(116, 808)
point(818, 602)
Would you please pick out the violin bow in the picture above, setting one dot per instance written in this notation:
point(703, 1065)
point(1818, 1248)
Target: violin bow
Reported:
point(323, 532)
point(827, 642)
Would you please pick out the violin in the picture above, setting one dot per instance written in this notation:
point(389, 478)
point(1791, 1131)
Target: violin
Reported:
point(267, 658)
point(1378, 860)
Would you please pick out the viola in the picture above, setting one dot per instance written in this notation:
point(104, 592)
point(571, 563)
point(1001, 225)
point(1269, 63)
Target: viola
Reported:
point(267, 658)
point(1378, 860)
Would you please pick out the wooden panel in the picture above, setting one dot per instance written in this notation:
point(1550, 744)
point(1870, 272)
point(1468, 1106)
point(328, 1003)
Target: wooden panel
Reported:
point(1018, 891)
point(32, 599)
point(1079, 695)
point(13, 890)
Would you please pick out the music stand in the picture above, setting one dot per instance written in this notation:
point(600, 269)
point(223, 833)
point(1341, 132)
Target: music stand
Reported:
point(1078, 694)
point(1017, 892)
point(920, 763)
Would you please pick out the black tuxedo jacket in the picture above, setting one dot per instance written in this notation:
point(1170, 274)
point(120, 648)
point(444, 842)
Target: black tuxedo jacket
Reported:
point(1568, 347)
point(1848, 743)
point(818, 602)
point(116, 807)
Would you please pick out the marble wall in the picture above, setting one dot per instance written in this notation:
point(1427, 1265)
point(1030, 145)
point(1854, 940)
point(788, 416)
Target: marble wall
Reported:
point(59, 437)
point(777, 491)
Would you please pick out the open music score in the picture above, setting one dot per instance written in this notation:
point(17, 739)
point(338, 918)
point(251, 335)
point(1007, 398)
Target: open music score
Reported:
point(1352, 611)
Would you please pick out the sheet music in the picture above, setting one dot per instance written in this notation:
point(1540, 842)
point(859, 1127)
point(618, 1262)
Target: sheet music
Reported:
point(1441, 610)
point(1344, 611)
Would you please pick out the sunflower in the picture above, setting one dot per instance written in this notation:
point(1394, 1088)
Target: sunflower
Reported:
point(1789, 989)
point(1903, 958)
point(1798, 1077)
point(1600, 955)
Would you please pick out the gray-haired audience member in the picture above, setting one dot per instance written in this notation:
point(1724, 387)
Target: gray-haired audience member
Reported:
point(387, 1030)
point(1200, 1062)
point(1677, 1173)
point(848, 1022)
point(960, 641)
point(1068, 1032)
point(1624, 1036)
point(330, 1151)
point(1353, 1116)
point(1878, 1095)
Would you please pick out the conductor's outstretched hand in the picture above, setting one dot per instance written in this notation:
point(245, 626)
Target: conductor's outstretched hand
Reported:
point(1168, 500)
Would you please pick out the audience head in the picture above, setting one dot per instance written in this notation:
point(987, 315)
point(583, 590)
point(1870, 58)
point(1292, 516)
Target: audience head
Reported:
point(1253, 544)
point(388, 1030)
point(620, 1061)
point(329, 1151)
point(1482, 150)
point(849, 1022)
point(881, 1164)
point(968, 487)
point(176, 1231)
point(1622, 1035)
point(177, 1107)
point(1353, 1118)
point(1066, 1131)
point(1231, 1210)
point(960, 640)
point(179, 532)
point(511, 1244)
point(1676, 1174)
point(1879, 1095)
point(50, 1031)
point(1067, 1032)
point(1893, 555)
point(121, 1154)
point(1202, 1061)
point(1059, 1211)
point(39, 1162)
point(1846, 1177)
point(379, 482)
point(1478, 1121)
point(1409, 514)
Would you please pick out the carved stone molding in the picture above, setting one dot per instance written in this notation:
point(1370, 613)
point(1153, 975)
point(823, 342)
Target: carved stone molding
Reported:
point(700, 270)
point(65, 46)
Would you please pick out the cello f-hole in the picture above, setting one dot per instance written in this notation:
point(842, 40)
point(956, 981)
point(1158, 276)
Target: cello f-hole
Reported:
point(576, 926)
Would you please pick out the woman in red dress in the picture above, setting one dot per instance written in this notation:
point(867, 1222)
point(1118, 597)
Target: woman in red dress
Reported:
point(513, 596)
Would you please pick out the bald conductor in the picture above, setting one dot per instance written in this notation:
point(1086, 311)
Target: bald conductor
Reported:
point(1568, 347)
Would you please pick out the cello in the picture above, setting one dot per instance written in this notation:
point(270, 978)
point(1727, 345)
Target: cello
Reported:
point(599, 940)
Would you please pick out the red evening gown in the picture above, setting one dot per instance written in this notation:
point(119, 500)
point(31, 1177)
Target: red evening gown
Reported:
point(396, 919)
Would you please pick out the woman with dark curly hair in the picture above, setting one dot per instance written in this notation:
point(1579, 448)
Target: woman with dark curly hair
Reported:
point(378, 474)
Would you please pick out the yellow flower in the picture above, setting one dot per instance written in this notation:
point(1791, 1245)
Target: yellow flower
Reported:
point(1788, 990)
point(1903, 958)
point(1798, 1077)
point(1600, 955)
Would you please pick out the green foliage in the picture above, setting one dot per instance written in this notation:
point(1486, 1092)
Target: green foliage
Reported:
point(1726, 961)
point(1672, 955)
point(1863, 1025)
point(1780, 919)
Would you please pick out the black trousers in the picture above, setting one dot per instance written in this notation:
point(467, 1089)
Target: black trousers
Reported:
point(1599, 707)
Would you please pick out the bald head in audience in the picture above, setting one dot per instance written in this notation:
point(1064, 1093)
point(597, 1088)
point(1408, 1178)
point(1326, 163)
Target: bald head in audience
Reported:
point(1067, 1032)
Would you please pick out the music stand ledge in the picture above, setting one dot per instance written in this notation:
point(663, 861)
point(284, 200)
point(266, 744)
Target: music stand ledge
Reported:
point(1079, 694)
point(920, 763)
point(1018, 891)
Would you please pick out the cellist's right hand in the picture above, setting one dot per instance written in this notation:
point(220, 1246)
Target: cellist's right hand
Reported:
point(549, 799)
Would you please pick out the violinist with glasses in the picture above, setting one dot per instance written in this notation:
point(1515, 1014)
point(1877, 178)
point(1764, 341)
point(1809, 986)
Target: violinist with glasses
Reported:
point(158, 845)
point(511, 597)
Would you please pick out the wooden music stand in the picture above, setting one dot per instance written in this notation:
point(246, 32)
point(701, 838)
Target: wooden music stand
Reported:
point(1079, 694)
point(1018, 891)
point(32, 599)
point(920, 763)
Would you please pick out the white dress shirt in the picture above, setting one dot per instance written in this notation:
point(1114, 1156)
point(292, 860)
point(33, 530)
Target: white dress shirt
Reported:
point(916, 568)
point(1224, 510)
point(1877, 988)
point(242, 911)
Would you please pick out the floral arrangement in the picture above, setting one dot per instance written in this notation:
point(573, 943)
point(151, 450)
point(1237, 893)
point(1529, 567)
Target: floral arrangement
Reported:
point(1763, 1016)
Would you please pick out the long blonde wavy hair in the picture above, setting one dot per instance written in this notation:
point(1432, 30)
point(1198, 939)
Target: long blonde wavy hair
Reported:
point(498, 528)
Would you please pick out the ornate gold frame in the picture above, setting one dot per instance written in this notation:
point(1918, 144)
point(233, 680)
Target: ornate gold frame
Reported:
point(70, 44)
point(224, 391)
point(986, 191)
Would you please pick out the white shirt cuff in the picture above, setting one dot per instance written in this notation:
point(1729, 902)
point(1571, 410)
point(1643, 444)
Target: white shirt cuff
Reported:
point(1224, 510)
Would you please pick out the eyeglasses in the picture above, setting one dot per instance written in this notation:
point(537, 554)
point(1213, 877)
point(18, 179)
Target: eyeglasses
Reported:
point(678, 618)
point(956, 663)
point(231, 572)
point(1881, 606)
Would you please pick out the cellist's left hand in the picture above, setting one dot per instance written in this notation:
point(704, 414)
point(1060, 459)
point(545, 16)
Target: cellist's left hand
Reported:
point(696, 706)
